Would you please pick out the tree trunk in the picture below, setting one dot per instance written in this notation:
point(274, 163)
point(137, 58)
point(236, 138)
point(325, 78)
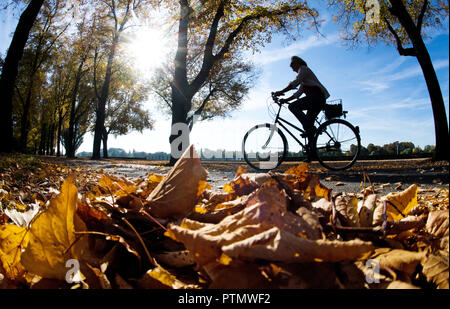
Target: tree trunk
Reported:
point(58, 132)
point(43, 139)
point(437, 102)
point(105, 143)
point(179, 136)
point(10, 71)
point(51, 140)
point(101, 107)
point(181, 99)
point(25, 119)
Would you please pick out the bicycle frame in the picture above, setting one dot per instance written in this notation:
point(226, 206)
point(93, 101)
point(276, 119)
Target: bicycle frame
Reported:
point(279, 120)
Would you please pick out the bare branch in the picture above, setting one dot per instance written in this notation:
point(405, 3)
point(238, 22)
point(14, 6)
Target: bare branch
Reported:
point(421, 15)
point(401, 50)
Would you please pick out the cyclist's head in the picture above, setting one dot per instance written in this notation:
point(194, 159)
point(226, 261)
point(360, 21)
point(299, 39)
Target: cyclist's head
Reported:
point(297, 62)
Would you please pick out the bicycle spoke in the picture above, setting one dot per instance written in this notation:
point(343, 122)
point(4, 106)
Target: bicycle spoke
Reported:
point(337, 144)
point(264, 147)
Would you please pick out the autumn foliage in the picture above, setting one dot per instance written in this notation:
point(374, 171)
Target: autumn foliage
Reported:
point(272, 230)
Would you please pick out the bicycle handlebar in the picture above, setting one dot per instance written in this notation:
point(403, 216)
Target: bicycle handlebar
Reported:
point(275, 98)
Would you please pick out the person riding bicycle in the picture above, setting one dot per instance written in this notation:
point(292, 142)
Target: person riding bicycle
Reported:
point(313, 102)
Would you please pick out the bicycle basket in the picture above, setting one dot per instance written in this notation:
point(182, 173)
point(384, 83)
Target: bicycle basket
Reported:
point(333, 111)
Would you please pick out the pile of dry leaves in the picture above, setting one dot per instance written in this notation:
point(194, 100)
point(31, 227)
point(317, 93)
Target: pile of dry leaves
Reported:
point(262, 231)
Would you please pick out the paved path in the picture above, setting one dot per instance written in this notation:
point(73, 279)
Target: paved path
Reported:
point(385, 175)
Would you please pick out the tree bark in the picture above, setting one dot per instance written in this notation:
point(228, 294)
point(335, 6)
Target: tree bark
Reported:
point(10, 71)
point(101, 107)
point(58, 132)
point(421, 52)
point(181, 99)
point(437, 103)
point(25, 119)
point(105, 143)
point(71, 130)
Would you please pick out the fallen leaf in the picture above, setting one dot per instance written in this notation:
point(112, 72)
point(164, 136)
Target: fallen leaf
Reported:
point(23, 218)
point(367, 209)
point(401, 260)
point(52, 236)
point(160, 278)
point(435, 268)
point(266, 208)
point(437, 223)
point(347, 210)
point(400, 285)
point(13, 239)
point(236, 276)
point(277, 245)
point(399, 204)
point(176, 259)
point(176, 195)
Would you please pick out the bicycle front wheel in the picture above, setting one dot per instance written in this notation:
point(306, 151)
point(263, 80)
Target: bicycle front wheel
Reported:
point(337, 144)
point(264, 147)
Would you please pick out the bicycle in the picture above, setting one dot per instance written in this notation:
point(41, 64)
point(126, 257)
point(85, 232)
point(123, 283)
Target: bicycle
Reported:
point(336, 143)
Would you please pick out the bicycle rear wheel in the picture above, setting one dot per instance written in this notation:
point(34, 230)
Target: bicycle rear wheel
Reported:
point(337, 144)
point(264, 147)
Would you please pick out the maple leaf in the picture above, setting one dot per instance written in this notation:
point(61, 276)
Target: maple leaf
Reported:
point(52, 238)
point(13, 239)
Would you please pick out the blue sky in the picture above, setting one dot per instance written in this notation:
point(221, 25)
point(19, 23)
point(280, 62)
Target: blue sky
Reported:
point(385, 93)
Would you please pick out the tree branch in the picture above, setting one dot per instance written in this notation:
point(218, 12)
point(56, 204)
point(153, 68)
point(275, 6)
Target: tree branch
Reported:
point(401, 50)
point(421, 15)
point(213, 30)
point(95, 74)
point(205, 100)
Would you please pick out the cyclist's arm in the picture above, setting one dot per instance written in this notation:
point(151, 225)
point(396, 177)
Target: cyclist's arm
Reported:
point(288, 88)
point(293, 85)
point(296, 95)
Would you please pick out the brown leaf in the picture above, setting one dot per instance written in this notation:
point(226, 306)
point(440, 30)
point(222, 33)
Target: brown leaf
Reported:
point(347, 210)
point(176, 259)
point(435, 268)
point(177, 194)
point(437, 223)
point(400, 285)
point(277, 245)
point(239, 275)
point(367, 209)
point(401, 260)
point(265, 209)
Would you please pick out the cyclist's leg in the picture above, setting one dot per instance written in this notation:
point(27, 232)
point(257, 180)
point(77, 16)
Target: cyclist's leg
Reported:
point(297, 108)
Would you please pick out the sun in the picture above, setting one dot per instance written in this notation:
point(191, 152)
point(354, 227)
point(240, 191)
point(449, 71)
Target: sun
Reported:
point(148, 49)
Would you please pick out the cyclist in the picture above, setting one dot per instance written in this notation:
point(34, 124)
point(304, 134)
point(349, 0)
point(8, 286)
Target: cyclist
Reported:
point(313, 101)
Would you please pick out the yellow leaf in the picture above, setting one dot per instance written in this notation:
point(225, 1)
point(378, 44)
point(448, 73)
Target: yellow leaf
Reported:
point(52, 236)
point(12, 239)
point(299, 171)
point(152, 178)
point(116, 186)
point(202, 186)
point(399, 204)
point(158, 278)
point(240, 171)
point(225, 259)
